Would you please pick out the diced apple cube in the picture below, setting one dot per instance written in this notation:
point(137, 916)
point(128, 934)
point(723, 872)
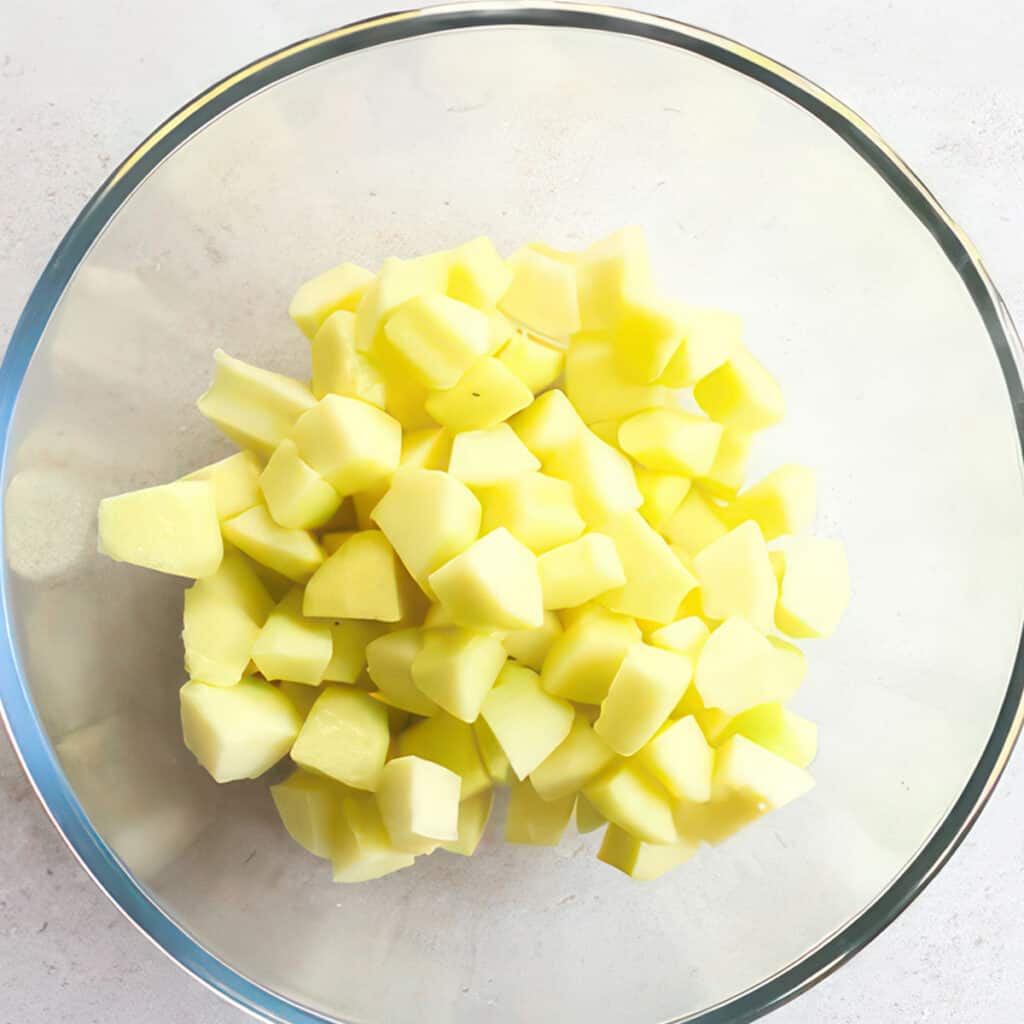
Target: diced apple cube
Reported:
point(429, 517)
point(681, 759)
point(695, 524)
point(447, 741)
point(788, 667)
point(542, 294)
point(437, 338)
point(725, 477)
point(684, 636)
point(647, 333)
point(254, 407)
point(223, 616)
point(531, 646)
point(602, 478)
point(626, 797)
point(493, 584)
point(292, 553)
point(240, 731)
point(397, 282)
point(643, 862)
point(292, 647)
point(606, 271)
point(456, 669)
point(308, 806)
point(485, 395)
point(339, 368)
point(483, 458)
point(533, 821)
point(528, 722)
point(710, 337)
point(298, 497)
point(736, 577)
point(597, 386)
point(736, 669)
point(426, 449)
point(656, 581)
point(536, 364)
point(340, 287)
point(361, 848)
point(389, 661)
point(547, 425)
point(744, 768)
point(406, 398)
point(815, 588)
point(583, 661)
point(650, 682)
point(494, 758)
point(580, 757)
point(671, 440)
point(172, 528)
point(779, 730)
point(538, 510)
point(345, 737)
point(473, 816)
point(349, 640)
point(588, 817)
point(783, 502)
point(477, 274)
point(235, 481)
point(301, 695)
point(419, 803)
point(663, 493)
point(363, 579)
point(741, 393)
point(579, 571)
point(351, 444)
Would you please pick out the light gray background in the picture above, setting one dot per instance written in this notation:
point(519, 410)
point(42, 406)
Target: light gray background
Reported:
point(81, 84)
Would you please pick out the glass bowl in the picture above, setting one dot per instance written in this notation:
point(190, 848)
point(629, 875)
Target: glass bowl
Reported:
point(760, 193)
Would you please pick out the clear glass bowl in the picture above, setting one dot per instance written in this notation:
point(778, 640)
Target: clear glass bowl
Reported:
point(760, 193)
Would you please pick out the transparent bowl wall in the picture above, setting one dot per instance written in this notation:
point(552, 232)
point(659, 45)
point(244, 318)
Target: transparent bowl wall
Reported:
point(895, 365)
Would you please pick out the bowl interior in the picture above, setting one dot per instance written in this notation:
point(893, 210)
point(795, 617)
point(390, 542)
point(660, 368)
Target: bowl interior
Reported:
point(896, 397)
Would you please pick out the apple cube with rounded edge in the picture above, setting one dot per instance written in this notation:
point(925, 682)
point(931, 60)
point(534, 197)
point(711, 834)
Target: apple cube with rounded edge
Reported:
point(235, 481)
point(254, 407)
point(695, 524)
point(339, 288)
point(671, 440)
point(292, 647)
point(777, 729)
point(361, 848)
point(606, 271)
point(647, 333)
point(292, 553)
point(549, 424)
point(240, 731)
point(643, 862)
point(584, 659)
point(788, 667)
point(483, 458)
point(298, 497)
point(419, 803)
point(339, 368)
point(684, 636)
point(746, 769)
point(531, 646)
point(429, 517)
point(171, 528)
point(580, 757)
point(597, 386)
point(725, 477)
point(663, 493)
point(532, 821)
point(494, 758)
point(602, 477)
point(579, 571)
point(456, 669)
point(345, 737)
point(627, 797)
point(682, 760)
point(542, 294)
point(736, 578)
point(710, 337)
point(473, 816)
point(528, 722)
point(485, 395)
point(741, 393)
point(397, 282)
point(737, 669)
point(426, 449)
point(308, 806)
point(536, 364)
point(351, 444)
point(783, 502)
point(349, 639)
point(493, 584)
point(389, 661)
point(447, 741)
point(650, 682)
point(815, 588)
point(538, 510)
point(477, 274)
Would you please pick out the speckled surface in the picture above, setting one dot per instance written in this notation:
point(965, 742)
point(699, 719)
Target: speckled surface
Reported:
point(81, 84)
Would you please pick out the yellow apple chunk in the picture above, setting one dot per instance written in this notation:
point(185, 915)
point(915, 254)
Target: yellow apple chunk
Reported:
point(580, 757)
point(308, 806)
point(483, 458)
point(681, 759)
point(451, 743)
point(419, 804)
point(297, 497)
point(477, 274)
point(548, 425)
point(235, 481)
point(536, 364)
point(736, 577)
point(579, 571)
point(530, 647)
point(456, 669)
point(741, 393)
point(542, 294)
point(340, 287)
point(339, 368)
point(484, 396)
point(292, 553)
point(532, 821)
point(783, 502)
point(292, 647)
point(473, 816)
point(538, 510)
point(627, 797)
point(671, 440)
point(815, 588)
point(643, 862)
point(361, 848)
point(389, 661)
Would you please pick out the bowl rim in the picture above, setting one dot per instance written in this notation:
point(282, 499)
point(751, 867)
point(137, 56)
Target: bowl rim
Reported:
point(17, 710)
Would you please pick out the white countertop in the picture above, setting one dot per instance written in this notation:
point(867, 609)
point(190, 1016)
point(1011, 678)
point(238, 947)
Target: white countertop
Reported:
point(81, 84)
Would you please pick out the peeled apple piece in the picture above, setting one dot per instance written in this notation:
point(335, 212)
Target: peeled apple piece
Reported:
point(744, 768)
point(710, 337)
point(533, 821)
point(580, 757)
point(736, 578)
point(350, 639)
point(297, 497)
point(815, 587)
point(530, 647)
point(485, 395)
point(643, 862)
point(397, 282)
point(292, 553)
point(538, 510)
point(684, 636)
point(602, 478)
point(542, 294)
point(494, 758)
point(419, 804)
point(527, 722)
point(361, 848)
point(606, 272)
point(473, 816)
point(493, 584)
point(741, 393)
point(777, 729)
point(456, 669)
point(240, 731)
point(235, 481)
point(483, 458)
point(681, 759)
point(547, 425)
point(308, 806)
point(351, 444)
point(292, 647)
point(663, 493)
point(695, 524)
point(671, 440)
point(389, 661)
point(636, 803)
point(447, 741)
point(426, 449)
point(171, 528)
point(340, 287)
point(535, 363)
point(783, 502)
point(339, 368)
point(429, 517)
point(579, 571)
point(345, 737)
point(725, 477)
point(477, 274)
point(736, 669)
point(597, 386)
point(648, 331)
point(254, 407)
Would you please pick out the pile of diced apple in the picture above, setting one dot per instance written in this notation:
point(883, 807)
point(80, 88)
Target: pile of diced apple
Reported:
point(430, 572)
